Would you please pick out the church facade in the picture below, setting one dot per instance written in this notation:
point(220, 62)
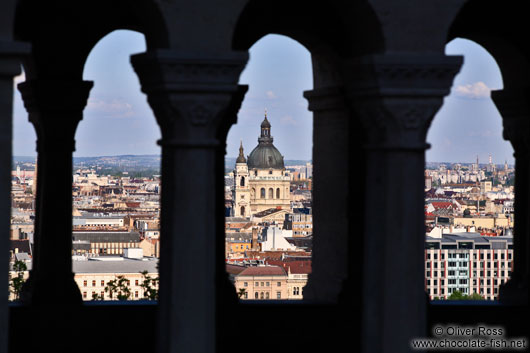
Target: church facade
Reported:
point(261, 181)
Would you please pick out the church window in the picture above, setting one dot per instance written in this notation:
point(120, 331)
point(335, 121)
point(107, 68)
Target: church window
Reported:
point(242, 210)
point(242, 181)
point(262, 193)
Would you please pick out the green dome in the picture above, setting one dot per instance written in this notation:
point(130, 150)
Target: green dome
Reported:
point(265, 155)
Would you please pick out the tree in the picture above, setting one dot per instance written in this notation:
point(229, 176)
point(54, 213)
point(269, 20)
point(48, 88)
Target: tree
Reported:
point(457, 295)
point(120, 287)
point(18, 281)
point(476, 296)
point(150, 286)
point(241, 292)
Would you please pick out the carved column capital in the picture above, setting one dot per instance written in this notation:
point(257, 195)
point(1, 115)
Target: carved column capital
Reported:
point(55, 107)
point(10, 54)
point(325, 99)
point(189, 93)
point(397, 95)
point(515, 111)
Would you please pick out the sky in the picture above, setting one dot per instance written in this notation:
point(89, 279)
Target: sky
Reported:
point(118, 120)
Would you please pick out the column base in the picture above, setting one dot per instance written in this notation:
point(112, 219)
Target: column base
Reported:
point(514, 292)
point(51, 292)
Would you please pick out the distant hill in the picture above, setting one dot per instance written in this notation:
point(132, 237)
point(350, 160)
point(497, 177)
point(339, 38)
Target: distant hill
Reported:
point(230, 163)
point(129, 162)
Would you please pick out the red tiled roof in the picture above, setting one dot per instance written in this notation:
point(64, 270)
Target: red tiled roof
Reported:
point(263, 271)
point(296, 267)
point(234, 269)
point(440, 204)
point(275, 254)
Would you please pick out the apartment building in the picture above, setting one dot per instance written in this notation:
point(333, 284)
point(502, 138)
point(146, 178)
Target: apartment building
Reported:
point(300, 222)
point(467, 262)
point(104, 242)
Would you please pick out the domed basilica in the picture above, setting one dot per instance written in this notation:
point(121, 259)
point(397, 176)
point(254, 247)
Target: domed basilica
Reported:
point(260, 181)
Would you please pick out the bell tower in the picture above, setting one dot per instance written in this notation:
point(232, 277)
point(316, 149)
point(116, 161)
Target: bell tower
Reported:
point(241, 193)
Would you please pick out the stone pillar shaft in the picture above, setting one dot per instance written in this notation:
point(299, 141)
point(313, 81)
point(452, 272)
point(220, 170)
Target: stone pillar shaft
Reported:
point(51, 278)
point(330, 181)
point(515, 110)
point(10, 54)
point(189, 96)
point(396, 97)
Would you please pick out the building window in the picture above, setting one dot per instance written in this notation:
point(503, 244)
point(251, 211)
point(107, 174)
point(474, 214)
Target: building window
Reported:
point(84, 295)
point(136, 282)
point(278, 295)
point(262, 193)
point(271, 193)
point(242, 211)
point(256, 284)
point(93, 283)
point(245, 284)
point(279, 284)
point(267, 296)
point(278, 193)
point(136, 294)
point(262, 295)
point(102, 283)
point(256, 295)
point(242, 182)
point(84, 283)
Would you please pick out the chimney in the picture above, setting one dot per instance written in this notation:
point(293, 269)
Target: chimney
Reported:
point(254, 243)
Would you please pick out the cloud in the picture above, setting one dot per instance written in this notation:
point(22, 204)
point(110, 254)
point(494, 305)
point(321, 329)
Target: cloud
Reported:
point(271, 95)
point(288, 120)
point(477, 90)
point(115, 108)
point(482, 133)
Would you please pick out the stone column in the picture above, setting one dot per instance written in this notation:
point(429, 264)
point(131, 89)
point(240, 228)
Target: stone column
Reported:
point(189, 95)
point(10, 54)
point(515, 110)
point(55, 108)
point(330, 196)
point(396, 97)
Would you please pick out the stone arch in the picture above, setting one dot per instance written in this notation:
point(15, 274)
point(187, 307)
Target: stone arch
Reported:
point(317, 27)
point(507, 44)
point(328, 33)
point(76, 29)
